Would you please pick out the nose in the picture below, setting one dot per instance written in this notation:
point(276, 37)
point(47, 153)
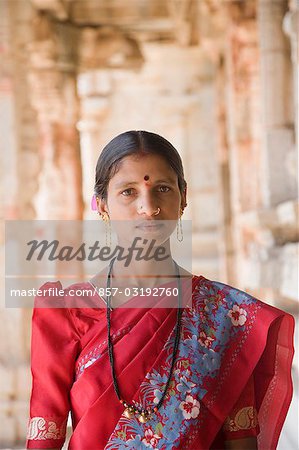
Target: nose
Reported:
point(147, 205)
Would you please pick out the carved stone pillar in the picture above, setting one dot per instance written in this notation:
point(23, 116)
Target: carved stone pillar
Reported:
point(290, 268)
point(239, 119)
point(94, 89)
point(20, 136)
point(226, 231)
point(278, 151)
point(54, 96)
point(20, 164)
point(279, 181)
point(291, 28)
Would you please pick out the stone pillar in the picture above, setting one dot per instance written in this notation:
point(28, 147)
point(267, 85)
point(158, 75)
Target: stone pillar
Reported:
point(20, 137)
point(54, 96)
point(240, 139)
point(291, 28)
point(42, 169)
point(226, 231)
point(94, 90)
point(289, 438)
point(279, 216)
point(279, 181)
point(20, 164)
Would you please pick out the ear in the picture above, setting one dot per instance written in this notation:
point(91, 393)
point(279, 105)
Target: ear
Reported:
point(102, 205)
point(184, 198)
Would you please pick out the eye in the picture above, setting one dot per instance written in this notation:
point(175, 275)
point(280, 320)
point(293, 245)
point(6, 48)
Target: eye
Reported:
point(164, 188)
point(127, 192)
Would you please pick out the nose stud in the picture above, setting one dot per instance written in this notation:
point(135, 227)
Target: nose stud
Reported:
point(155, 213)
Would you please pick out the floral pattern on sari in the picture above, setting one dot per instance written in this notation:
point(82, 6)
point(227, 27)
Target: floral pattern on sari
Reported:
point(220, 315)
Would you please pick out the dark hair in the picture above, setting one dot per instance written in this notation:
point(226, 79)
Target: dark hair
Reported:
point(134, 143)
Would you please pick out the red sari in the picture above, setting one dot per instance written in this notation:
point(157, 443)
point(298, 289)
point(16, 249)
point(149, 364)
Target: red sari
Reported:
point(232, 376)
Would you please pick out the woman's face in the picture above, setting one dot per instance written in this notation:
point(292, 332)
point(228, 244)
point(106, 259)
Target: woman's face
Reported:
point(141, 186)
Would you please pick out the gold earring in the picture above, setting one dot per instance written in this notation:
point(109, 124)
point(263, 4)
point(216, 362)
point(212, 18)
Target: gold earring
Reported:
point(105, 217)
point(179, 228)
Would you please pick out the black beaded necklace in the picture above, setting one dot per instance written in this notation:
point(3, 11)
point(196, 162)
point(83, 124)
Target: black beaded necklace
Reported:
point(146, 413)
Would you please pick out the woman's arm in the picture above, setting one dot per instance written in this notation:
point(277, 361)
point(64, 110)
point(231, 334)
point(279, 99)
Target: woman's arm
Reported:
point(54, 346)
point(249, 443)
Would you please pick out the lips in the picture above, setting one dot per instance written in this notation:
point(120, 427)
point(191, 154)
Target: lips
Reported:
point(149, 225)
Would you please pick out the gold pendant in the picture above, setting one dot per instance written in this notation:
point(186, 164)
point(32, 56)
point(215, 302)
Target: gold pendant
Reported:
point(128, 413)
point(143, 418)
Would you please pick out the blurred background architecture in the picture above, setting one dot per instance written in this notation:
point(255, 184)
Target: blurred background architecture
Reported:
point(218, 78)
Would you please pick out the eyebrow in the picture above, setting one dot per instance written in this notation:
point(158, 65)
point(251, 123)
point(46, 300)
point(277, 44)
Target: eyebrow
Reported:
point(130, 183)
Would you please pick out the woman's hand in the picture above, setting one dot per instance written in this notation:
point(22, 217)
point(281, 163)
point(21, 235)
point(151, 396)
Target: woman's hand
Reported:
point(249, 443)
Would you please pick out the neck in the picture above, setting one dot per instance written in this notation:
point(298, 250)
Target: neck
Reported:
point(148, 271)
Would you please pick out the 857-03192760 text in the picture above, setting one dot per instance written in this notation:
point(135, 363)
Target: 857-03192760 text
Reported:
point(138, 291)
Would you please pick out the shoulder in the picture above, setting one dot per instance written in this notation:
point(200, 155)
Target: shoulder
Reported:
point(82, 295)
point(49, 295)
point(65, 305)
point(228, 292)
point(212, 286)
point(76, 295)
point(229, 297)
point(51, 313)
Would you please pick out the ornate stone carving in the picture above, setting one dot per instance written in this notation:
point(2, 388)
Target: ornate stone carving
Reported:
point(107, 47)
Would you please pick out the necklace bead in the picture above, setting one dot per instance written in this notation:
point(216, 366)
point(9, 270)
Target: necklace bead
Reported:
point(143, 419)
point(129, 413)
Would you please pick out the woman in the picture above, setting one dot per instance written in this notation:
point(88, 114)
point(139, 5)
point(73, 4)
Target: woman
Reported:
point(209, 372)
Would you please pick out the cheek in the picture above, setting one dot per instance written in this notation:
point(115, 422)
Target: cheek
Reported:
point(121, 210)
point(174, 200)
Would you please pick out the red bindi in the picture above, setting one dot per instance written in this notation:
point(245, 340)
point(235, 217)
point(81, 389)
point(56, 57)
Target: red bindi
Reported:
point(146, 178)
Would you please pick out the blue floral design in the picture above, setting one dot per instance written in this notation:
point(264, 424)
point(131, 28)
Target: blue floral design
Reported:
point(212, 360)
point(195, 366)
point(136, 444)
point(185, 385)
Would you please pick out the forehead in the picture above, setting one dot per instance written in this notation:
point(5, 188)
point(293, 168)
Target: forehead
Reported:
point(151, 165)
